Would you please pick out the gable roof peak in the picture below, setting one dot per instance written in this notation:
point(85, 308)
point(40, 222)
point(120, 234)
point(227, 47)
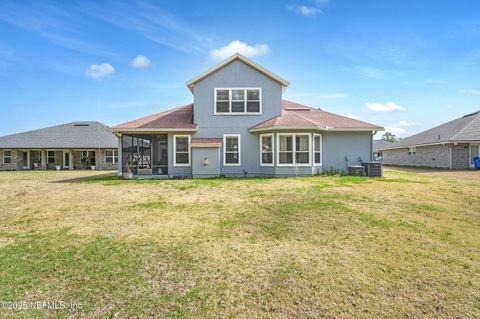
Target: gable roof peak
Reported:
point(240, 57)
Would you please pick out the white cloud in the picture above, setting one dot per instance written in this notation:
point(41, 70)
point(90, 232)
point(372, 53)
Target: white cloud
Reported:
point(436, 82)
point(140, 62)
point(384, 108)
point(365, 71)
point(309, 11)
point(405, 124)
point(239, 47)
point(305, 10)
point(395, 130)
point(352, 116)
point(100, 71)
point(333, 95)
point(470, 92)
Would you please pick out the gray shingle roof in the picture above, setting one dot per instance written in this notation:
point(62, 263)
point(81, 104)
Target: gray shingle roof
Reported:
point(380, 144)
point(70, 135)
point(466, 128)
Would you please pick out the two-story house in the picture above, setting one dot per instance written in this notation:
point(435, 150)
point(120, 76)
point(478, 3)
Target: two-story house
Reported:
point(239, 125)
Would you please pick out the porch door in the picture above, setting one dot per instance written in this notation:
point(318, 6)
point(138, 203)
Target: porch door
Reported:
point(160, 151)
point(66, 159)
point(25, 160)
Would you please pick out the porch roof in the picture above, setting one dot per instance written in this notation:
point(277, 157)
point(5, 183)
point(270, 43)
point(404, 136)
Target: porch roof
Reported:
point(175, 119)
point(296, 115)
point(205, 142)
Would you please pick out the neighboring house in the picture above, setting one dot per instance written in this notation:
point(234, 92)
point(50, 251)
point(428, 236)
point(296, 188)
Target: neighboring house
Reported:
point(378, 145)
point(77, 145)
point(238, 125)
point(451, 145)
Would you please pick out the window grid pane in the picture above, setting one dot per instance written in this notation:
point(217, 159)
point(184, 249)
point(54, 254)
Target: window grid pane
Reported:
point(232, 155)
point(267, 150)
point(182, 155)
point(237, 101)
point(7, 157)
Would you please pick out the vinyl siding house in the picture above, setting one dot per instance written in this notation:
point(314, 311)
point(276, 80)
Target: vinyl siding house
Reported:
point(239, 125)
point(451, 145)
point(77, 145)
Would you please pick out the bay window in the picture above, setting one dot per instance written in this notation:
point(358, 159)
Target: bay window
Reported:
point(231, 150)
point(266, 150)
point(238, 101)
point(181, 146)
point(294, 149)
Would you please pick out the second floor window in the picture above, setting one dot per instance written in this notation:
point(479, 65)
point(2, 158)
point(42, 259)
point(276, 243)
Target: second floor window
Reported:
point(238, 101)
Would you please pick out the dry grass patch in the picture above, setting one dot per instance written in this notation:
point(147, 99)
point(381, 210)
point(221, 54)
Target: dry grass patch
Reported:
point(406, 245)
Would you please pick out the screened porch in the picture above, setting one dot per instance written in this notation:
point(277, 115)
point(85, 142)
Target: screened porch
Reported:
point(145, 154)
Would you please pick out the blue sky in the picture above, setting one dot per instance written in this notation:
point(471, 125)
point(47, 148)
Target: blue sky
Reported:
point(406, 65)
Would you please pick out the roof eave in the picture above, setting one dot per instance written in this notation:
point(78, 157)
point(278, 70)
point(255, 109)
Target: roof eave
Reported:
point(150, 130)
point(319, 128)
point(191, 84)
point(205, 145)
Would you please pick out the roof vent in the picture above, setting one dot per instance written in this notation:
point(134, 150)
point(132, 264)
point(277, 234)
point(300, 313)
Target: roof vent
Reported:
point(81, 124)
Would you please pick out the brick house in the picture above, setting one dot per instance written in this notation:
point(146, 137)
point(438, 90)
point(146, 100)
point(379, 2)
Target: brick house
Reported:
point(451, 145)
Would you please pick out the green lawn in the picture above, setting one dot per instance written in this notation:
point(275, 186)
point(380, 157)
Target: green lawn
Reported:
point(407, 245)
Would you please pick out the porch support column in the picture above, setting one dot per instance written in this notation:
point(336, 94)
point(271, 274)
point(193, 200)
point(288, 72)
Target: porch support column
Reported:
point(97, 159)
point(43, 160)
point(70, 165)
point(28, 159)
point(120, 154)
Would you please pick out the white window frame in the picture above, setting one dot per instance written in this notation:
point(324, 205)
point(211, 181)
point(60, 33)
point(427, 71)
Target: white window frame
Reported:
point(230, 102)
point(412, 150)
point(225, 150)
point(54, 156)
point(4, 156)
point(114, 154)
point(314, 150)
point(272, 136)
point(294, 149)
point(175, 152)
